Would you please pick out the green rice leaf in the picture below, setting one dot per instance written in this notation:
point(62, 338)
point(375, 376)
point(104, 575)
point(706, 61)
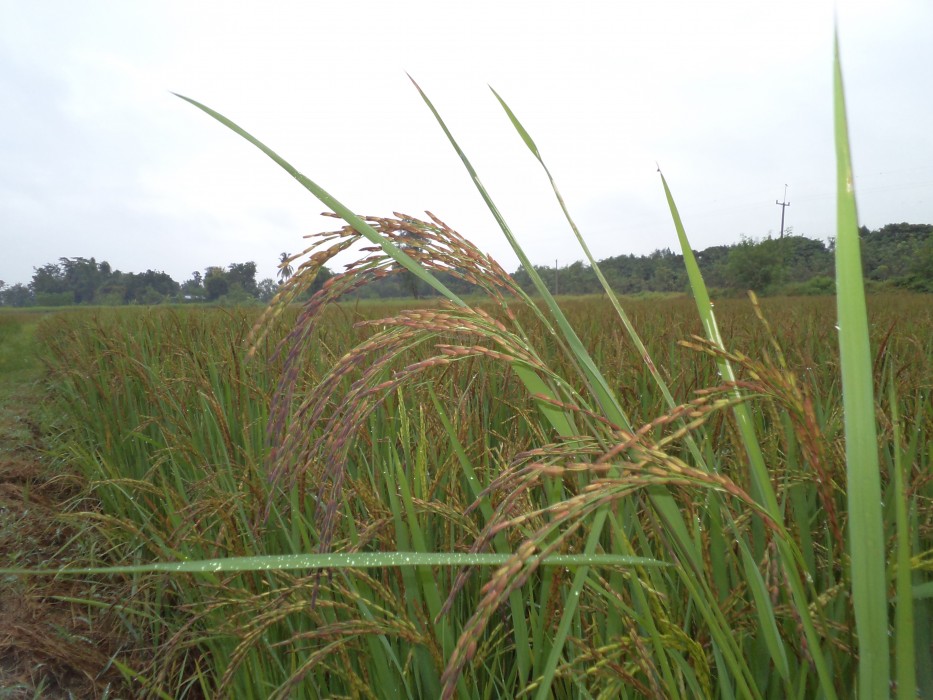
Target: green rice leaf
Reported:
point(866, 532)
point(598, 384)
point(660, 499)
point(526, 137)
point(905, 649)
point(594, 265)
point(762, 489)
point(355, 560)
point(765, 613)
point(334, 205)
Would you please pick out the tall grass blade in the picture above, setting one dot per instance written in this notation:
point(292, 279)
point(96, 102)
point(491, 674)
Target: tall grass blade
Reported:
point(905, 650)
point(761, 482)
point(516, 603)
point(598, 384)
point(352, 560)
point(334, 205)
point(765, 612)
point(660, 499)
point(604, 283)
point(866, 531)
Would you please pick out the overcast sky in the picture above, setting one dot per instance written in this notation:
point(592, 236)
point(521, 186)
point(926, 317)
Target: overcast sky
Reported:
point(732, 99)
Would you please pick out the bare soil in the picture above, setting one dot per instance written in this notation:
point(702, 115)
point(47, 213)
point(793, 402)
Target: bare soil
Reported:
point(50, 645)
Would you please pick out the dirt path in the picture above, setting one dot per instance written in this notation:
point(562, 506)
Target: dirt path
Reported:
point(50, 646)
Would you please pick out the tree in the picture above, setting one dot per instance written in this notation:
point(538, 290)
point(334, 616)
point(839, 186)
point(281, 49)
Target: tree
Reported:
point(412, 243)
point(149, 296)
point(48, 279)
point(16, 295)
point(754, 265)
point(215, 283)
point(193, 289)
point(890, 252)
point(921, 268)
point(82, 277)
point(267, 289)
point(714, 264)
point(804, 258)
point(243, 275)
point(285, 269)
point(320, 279)
point(149, 287)
point(71, 281)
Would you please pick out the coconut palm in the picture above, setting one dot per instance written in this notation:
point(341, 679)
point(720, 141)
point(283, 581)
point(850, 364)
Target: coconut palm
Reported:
point(285, 268)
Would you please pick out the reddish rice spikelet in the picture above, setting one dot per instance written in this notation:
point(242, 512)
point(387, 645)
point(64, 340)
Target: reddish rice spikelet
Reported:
point(298, 455)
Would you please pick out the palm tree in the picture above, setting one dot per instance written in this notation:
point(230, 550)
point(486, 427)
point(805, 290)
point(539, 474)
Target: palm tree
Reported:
point(285, 269)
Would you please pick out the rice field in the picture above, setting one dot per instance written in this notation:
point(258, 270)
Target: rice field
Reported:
point(506, 496)
point(166, 416)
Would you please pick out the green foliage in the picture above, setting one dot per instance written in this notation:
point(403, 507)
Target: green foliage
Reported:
point(171, 432)
point(16, 295)
point(55, 298)
point(894, 256)
point(243, 275)
point(86, 282)
point(821, 285)
point(868, 533)
point(17, 344)
point(216, 283)
point(231, 286)
point(891, 252)
point(920, 276)
point(512, 426)
point(266, 290)
point(754, 265)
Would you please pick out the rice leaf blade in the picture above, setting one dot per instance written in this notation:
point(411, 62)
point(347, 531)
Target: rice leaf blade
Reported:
point(351, 560)
point(866, 531)
point(905, 649)
point(765, 611)
point(761, 482)
point(331, 202)
point(604, 283)
point(598, 384)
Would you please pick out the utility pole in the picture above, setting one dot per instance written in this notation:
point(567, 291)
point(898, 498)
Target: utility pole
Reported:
point(783, 206)
point(556, 281)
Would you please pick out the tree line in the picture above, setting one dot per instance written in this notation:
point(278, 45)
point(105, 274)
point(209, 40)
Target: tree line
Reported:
point(84, 281)
point(896, 255)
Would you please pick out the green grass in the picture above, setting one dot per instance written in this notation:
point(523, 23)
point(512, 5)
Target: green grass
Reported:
point(17, 345)
point(168, 420)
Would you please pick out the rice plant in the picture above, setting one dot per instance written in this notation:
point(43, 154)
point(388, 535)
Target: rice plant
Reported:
point(505, 495)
